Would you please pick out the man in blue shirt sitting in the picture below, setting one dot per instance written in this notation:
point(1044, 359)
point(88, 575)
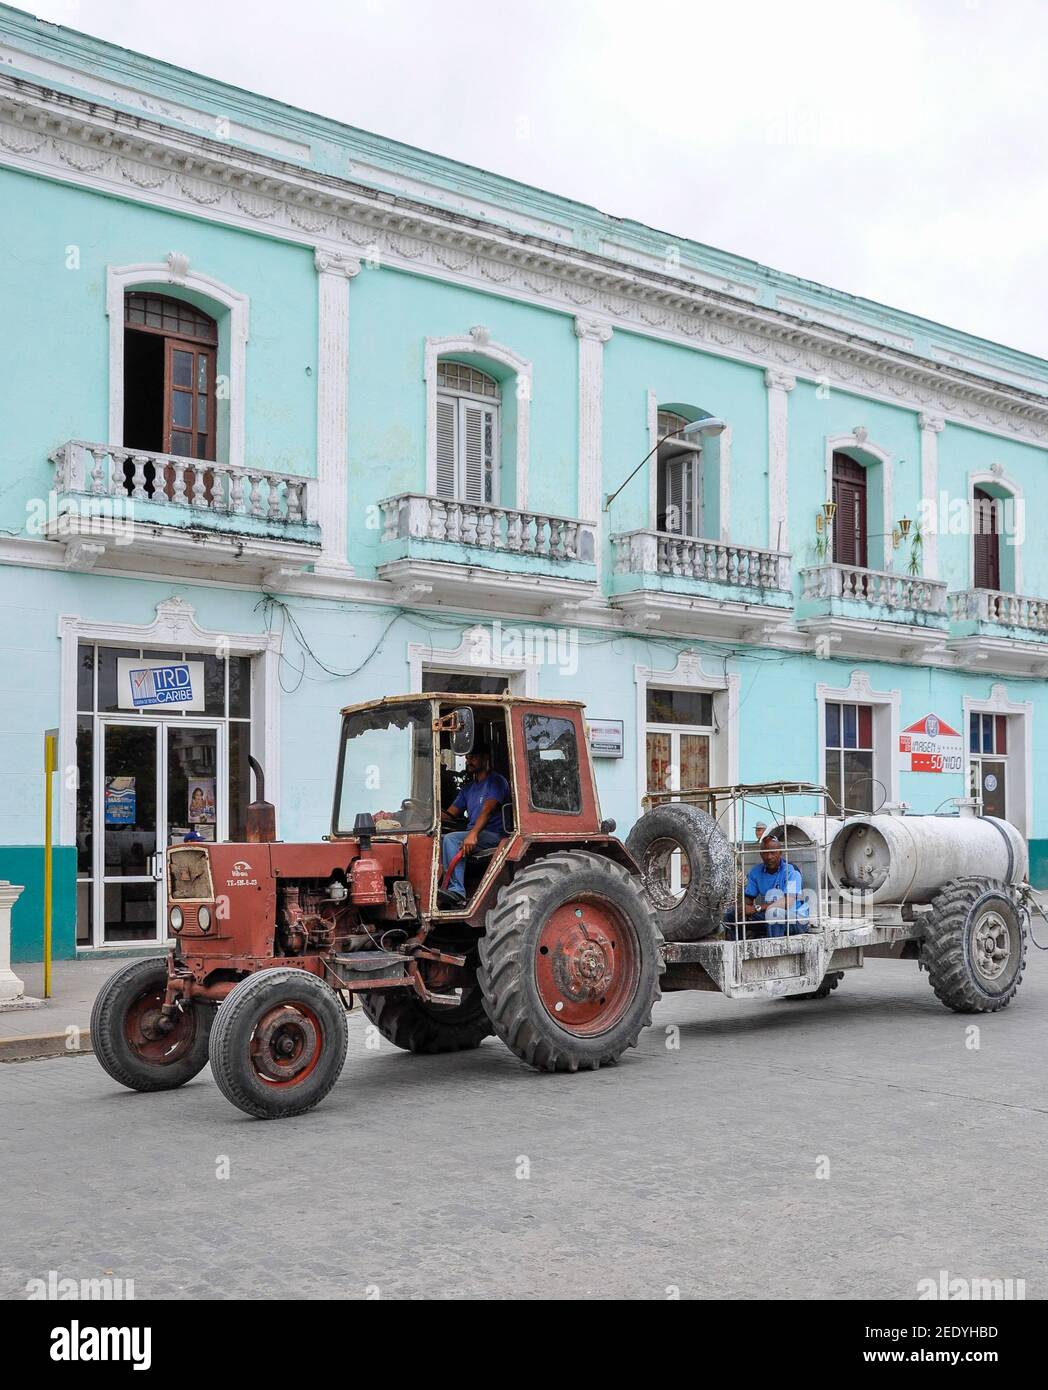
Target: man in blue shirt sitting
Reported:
point(773, 899)
point(480, 801)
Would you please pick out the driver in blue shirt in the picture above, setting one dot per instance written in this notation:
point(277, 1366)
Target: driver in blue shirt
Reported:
point(773, 899)
point(480, 801)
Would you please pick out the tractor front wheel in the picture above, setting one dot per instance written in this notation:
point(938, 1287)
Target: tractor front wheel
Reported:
point(128, 1040)
point(279, 1043)
point(408, 1022)
point(570, 962)
point(974, 945)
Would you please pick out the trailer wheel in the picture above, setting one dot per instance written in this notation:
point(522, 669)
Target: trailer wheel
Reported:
point(830, 981)
point(974, 945)
point(127, 1041)
point(278, 1043)
point(570, 962)
point(675, 840)
point(409, 1022)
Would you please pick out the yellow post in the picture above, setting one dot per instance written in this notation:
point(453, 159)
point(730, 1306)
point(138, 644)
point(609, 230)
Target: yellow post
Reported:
point(50, 764)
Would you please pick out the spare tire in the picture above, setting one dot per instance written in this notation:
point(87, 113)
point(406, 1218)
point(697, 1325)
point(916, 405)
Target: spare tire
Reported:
point(687, 868)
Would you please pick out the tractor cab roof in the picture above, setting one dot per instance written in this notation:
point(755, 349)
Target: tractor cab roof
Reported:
point(459, 698)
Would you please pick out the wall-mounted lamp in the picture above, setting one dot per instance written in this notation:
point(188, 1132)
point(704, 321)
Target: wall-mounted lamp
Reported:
point(824, 517)
point(900, 531)
point(708, 426)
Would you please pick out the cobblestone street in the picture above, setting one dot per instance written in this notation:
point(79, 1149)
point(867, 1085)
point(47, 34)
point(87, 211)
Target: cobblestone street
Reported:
point(690, 1168)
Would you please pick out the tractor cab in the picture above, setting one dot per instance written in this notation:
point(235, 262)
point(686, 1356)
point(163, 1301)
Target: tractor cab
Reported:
point(403, 765)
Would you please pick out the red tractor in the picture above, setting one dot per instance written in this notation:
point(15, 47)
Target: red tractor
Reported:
point(555, 948)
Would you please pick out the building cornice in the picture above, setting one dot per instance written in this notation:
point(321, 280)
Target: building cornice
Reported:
point(59, 136)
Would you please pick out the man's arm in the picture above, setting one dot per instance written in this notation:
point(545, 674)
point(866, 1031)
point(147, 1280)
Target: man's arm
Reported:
point(469, 844)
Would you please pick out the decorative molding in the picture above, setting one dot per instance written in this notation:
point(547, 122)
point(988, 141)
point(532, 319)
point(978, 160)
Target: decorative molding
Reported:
point(175, 271)
point(1022, 710)
point(592, 336)
point(779, 384)
point(334, 273)
point(336, 263)
point(931, 427)
point(479, 343)
point(55, 135)
point(887, 705)
point(475, 655)
point(593, 329)
point(175, 626)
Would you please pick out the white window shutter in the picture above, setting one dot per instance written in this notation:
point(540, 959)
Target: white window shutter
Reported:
point(478, 442)
point(674, 486)
point(446, 451)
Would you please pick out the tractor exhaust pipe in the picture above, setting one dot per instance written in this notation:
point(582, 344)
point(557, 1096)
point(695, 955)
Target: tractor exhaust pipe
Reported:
point(261, 814)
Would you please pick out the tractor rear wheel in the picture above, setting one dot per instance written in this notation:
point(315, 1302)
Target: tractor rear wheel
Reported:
point(570, 962)
point(974, 945)
point(278, 1043)
point(127, 1040)
point(687, 869)
point(409, 1022)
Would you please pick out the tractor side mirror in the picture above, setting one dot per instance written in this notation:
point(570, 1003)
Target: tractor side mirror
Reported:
point(464, 731)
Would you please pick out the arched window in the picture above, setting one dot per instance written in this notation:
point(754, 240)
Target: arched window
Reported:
point(850, 526)
point(468, 408)
point(680, 478)
point(170, 349)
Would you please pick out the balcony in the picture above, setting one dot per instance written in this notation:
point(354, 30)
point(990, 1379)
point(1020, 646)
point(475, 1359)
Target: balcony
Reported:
point(863, 612)
point(131, 505)
point(435, 548)
point(701, 586)
point(1007, 633)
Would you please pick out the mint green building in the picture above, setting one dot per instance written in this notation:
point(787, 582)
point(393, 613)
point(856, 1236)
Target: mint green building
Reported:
point(295, 416)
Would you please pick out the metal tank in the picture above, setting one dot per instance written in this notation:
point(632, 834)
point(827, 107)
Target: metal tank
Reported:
point(910, 859)
point(802, 837)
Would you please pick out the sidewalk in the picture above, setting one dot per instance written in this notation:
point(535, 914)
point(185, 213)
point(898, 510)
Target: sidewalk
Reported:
point(62, 1023)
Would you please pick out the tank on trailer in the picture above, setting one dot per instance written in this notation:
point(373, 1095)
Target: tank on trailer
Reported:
point(907, 859)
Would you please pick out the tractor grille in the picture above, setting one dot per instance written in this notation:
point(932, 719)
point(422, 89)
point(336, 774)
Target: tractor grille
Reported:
point(189, 873)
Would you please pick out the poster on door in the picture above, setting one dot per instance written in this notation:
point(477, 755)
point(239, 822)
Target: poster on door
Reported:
point(201, 801)
point(931, 745)
point(120, 801)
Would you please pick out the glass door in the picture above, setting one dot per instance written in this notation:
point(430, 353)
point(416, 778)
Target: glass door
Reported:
point(196, 805)
point(160, 783)
point(127, 908)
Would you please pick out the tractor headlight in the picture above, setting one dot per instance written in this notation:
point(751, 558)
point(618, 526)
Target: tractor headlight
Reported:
point(204, 919)
point(175, 918)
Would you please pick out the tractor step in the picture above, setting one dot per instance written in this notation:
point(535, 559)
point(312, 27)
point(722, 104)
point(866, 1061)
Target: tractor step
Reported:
point(370, 962)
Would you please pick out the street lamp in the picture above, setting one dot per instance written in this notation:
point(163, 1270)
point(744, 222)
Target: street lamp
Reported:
point(708, 426)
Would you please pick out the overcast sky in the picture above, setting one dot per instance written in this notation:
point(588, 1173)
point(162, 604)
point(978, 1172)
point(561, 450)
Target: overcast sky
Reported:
point(895, 150)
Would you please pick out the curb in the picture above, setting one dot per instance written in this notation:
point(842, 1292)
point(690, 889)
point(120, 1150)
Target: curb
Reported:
point(31, 1047)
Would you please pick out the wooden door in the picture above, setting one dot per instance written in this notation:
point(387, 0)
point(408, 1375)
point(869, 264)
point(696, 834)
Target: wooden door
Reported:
point(987, 547)
point(849, 525)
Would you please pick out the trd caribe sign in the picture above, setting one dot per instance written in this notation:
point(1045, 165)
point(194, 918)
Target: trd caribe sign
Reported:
point(160, 684)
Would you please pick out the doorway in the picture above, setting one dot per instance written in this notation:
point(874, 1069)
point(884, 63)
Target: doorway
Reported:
point(160, 782)
point(146, 779)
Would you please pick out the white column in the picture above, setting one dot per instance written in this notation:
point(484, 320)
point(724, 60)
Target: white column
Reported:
point(779, 385)
point(12, 988)
point(592, 335)
point(331, 495)
point(931, 428)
